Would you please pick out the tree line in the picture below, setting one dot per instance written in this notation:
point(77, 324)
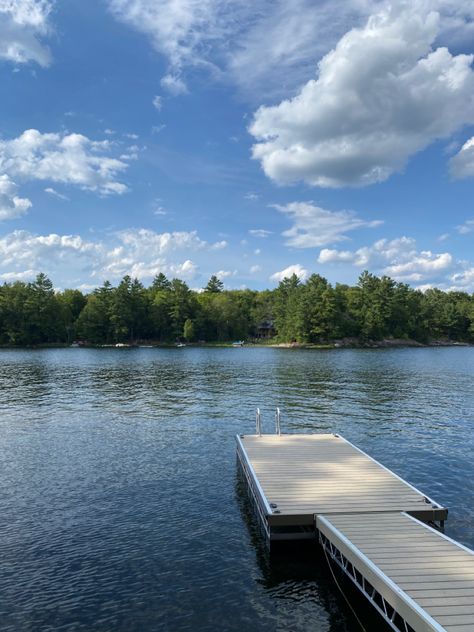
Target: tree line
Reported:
point(167, 311)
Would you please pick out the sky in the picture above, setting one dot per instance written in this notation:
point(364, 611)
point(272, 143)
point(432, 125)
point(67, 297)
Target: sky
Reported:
point(250, 140)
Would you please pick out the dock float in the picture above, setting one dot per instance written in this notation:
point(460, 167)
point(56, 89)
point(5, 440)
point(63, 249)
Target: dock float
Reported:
point(382, 533)
point(293, 478)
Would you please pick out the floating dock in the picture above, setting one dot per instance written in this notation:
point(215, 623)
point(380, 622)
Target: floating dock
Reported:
point(382, 532)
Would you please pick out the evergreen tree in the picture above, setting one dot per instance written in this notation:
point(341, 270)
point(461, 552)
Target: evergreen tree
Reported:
point(214, 285)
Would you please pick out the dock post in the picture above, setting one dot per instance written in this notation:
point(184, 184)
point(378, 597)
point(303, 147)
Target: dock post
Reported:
point(277, 422)
point(258, 423)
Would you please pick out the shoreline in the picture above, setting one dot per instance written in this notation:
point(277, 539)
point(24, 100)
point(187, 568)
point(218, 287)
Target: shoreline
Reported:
point(334, 345)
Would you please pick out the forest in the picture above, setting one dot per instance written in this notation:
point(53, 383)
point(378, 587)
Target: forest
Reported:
point(313, 312)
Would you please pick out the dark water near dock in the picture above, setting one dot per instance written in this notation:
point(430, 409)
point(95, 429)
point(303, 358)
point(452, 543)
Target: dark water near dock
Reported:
point(120, 507)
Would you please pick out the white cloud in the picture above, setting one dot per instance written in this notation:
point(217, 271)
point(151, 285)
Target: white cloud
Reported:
point(66, 158)
point(328, 255)
point(398, 258)
point(219, 245)
point(22, 25)
point(462, 164)
point(261, 46)
point(251, 196)
point(174, 84)
point(260, 232)
point(138, 252)
point(156, 129)
point(142, 270)
point(267, 47)
point(466, 228)
point(56, 194)
point(158, 102)
point(225, 274)
point(380, 96)
point(255, 269)
point(26, 275)
point(421, 266)
point(463, 281)
point(314, 226)
point(11, 206)
point(297, 269)
point(137, 241)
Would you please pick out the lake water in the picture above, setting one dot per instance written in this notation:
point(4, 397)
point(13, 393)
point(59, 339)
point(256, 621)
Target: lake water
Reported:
point(120, 507)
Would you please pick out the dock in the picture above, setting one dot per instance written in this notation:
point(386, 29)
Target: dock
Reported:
point(381, 532)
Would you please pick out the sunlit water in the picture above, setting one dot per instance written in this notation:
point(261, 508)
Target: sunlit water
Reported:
point(120, 507)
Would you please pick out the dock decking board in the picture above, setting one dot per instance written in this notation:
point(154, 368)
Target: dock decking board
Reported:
point(370, 521)
point(304, 475)
point(431, 593)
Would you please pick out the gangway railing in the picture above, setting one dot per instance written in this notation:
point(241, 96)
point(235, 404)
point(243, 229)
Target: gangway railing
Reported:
point(277, 421)
point(258, 423)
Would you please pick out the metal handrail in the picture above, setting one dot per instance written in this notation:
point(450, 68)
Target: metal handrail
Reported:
point(258, 423)
point(277, 422)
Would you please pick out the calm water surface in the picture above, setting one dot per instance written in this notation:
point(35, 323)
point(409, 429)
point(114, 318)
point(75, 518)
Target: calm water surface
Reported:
point(120, 507)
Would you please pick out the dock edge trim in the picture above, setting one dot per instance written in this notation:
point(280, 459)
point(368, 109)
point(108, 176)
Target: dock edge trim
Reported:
point(440, 533)
point(244, 454)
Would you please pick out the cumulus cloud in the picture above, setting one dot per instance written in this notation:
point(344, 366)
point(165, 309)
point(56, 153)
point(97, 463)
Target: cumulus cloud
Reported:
point(296, 268)
point(225, 274)
point(219, 245)
point(11, 206)
point(23, 24)
point(380, 96)
point(398, 258)
point(267, 47)
point(463, 281)
point(139, 253)
point(64, 158)
point(314, 226)
point(462, 164)
point(26, 275)
point(255, 269)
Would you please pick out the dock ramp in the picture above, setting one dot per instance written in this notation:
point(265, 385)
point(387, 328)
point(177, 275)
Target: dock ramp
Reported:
point(417, 578)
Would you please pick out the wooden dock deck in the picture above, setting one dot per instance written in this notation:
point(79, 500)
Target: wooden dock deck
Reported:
point(369, 521)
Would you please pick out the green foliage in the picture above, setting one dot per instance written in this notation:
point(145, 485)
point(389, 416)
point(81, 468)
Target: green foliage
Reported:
point(188, 330)
point(214, 285)
point(313, 312)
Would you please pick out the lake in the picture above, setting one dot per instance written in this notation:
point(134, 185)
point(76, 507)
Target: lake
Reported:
point(120, 504)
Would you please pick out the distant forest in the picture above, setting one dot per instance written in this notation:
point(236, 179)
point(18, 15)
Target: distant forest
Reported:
point(168, 311)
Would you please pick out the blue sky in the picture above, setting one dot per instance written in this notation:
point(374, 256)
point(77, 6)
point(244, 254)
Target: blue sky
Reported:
point(248, 140)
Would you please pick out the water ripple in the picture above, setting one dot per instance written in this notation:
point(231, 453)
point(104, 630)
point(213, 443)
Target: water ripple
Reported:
point(120, 505)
